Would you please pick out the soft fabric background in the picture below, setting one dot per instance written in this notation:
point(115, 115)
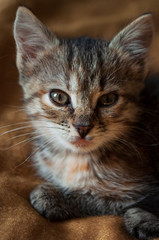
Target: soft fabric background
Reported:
point(18, 220)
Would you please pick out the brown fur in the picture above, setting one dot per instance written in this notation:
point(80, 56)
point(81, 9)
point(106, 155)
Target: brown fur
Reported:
point(94, 150)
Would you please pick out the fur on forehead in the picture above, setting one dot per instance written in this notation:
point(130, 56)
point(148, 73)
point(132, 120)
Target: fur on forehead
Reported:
point(91, 62)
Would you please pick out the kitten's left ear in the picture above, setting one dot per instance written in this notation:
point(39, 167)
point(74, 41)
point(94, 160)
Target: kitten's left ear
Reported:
point(136, 38)
point(31, 35)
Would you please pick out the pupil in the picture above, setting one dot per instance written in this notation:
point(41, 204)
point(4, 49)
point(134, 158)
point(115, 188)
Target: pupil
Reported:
point(110, 99)
point(60, 98)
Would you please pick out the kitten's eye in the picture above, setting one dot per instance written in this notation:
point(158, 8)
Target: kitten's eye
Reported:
point(59, 97)
point(108, 100)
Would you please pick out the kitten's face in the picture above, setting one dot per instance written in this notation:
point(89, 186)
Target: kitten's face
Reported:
point(81, 94)
point(67, 99)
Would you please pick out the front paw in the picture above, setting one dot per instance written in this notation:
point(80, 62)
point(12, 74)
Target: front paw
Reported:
point(48, 201)
point(141, 224)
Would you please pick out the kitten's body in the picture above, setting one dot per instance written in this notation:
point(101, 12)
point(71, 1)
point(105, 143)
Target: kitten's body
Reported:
point(111, 177)
point(99, 158)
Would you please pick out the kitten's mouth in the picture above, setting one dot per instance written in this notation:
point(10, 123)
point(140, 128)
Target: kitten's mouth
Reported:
point(81, 142)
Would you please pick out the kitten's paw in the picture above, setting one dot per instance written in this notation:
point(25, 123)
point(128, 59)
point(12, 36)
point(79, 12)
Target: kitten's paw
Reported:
point(49, 202)
point(141, 224)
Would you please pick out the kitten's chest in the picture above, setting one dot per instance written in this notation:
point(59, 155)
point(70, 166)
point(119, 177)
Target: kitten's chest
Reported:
point(81, 172)
point(72, 171)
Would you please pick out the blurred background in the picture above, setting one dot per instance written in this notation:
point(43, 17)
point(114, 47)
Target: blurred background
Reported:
point(67, 18)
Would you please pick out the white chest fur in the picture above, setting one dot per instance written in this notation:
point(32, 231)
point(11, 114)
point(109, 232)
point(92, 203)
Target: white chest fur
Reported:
point(84, 172)
point(68, 170)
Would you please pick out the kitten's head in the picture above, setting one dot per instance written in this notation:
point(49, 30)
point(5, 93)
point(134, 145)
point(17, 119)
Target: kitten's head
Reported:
point(81, 94)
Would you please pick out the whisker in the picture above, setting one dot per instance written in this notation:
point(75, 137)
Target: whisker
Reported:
point(144, 131)
point(13, 124)
point(19, 123)
point(36, 150)
point(16, 144)
point(8, 148)
point(24, 141)
point(27, 158)
point(21, 135)
point(16, 129)
point(13, 106)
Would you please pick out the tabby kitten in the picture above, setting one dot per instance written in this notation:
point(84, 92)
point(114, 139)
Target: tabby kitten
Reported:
point(96, 143)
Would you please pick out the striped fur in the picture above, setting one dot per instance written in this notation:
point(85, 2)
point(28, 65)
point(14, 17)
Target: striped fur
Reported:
point(108, 171)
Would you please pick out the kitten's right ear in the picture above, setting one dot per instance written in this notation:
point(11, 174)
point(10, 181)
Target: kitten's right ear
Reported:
point(135, 39)
point(31, 36)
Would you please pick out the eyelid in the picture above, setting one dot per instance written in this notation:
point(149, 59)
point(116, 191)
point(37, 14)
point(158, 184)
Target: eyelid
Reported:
point(45, 99)
point(107, 91)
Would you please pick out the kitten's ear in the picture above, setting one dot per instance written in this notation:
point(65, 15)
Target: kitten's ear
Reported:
point(31, 36)
point(136, 38)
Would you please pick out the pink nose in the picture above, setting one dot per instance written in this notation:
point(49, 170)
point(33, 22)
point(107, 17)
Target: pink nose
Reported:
point(83, 130)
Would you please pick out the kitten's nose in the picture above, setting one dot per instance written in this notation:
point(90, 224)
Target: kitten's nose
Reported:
point(83, 130)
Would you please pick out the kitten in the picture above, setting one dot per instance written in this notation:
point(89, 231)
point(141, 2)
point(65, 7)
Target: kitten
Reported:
point(96, 140)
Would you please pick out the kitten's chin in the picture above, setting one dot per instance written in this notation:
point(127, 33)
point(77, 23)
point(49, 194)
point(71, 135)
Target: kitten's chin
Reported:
point(79, 145)
point(82, 145)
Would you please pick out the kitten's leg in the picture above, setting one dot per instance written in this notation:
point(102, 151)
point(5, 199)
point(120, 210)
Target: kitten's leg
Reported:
point(49, 202)
point(141, 223)
point(58, 204)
